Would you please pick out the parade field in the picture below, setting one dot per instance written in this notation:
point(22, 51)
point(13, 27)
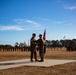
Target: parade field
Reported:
point(61, 54)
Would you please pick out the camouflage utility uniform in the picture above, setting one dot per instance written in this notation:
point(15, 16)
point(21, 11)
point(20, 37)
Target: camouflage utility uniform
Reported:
point(41, 50)
point(32, 49)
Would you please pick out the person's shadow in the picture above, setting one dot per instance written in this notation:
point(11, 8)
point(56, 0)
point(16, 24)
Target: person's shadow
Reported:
point(13, 63)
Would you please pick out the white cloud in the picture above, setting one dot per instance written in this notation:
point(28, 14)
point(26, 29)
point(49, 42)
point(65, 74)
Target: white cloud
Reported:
point(11, 28)
point(31, 22)
point(22, 24)
point(19, 21)
point(28, 23)
point(25, 21)
point(72, 7)
point(69, 7)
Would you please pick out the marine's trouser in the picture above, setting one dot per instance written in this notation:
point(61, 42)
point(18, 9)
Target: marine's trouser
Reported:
point(41, 53)
point(33, 54)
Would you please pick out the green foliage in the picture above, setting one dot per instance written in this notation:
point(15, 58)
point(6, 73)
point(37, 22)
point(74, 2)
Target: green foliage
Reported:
point(59, 43)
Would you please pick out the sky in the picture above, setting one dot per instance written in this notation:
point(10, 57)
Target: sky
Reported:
point(20, 18)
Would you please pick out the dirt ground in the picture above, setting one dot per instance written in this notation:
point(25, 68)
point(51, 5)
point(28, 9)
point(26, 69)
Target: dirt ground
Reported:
point(65, 69)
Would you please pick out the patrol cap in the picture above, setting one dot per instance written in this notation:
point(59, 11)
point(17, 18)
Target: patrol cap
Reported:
point(40, 34)
point(34, 34)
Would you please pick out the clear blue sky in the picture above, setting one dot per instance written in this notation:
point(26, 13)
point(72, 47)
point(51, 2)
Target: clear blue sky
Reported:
point(20, 18)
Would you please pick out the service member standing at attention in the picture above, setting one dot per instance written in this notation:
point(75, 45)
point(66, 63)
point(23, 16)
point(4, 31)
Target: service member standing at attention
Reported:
point(33, 48)
point(41, 46)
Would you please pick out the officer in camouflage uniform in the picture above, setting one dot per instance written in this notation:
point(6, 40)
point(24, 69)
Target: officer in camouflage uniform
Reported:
point(33, 47)
point(40, 46)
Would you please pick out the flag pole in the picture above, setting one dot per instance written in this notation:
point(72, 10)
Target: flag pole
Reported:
point(28, 45)
point(44, 39)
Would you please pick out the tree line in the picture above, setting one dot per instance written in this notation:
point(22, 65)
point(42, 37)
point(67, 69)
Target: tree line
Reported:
point(69, 44)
